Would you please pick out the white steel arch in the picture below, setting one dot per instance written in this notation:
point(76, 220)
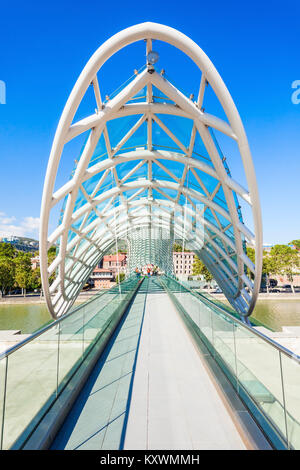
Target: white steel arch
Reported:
point(129, 186)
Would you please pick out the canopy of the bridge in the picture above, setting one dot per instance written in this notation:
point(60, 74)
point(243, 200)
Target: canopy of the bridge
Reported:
point(150, 160)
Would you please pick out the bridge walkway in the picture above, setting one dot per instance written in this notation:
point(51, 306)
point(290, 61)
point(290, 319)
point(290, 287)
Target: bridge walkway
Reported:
point(152, 389)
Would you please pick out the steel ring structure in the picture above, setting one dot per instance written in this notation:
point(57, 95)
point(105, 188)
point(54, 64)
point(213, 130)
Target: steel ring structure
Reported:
point(138, 178)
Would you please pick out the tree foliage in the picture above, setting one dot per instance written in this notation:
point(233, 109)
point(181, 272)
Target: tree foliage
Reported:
point(23, 270)
point(16, 269)
point(36, 282)
point(296, 244)
point(7, 250)
point(120, 277)
point(200, 268)
point(7, 274)
point(283, 260)
point(51, 258)
point(177, 247)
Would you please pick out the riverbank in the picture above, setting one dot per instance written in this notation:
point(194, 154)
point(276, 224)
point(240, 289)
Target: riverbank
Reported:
point(37, 299)
point(265, 296)
point(23, 315)
point(83, 296)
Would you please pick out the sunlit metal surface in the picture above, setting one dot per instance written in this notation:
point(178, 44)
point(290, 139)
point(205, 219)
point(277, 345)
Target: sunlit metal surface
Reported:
point(150, 159)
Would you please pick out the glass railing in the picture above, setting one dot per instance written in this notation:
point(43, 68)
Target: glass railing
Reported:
point(34, 372)
point(219, 303)
point(264, 374)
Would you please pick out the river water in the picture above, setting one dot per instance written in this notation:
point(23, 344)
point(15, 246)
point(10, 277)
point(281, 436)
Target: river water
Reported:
point(29, 317)
point(24, 317)
point(277, 313)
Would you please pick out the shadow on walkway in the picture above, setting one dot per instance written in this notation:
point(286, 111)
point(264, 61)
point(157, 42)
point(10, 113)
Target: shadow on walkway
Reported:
point(99, 416)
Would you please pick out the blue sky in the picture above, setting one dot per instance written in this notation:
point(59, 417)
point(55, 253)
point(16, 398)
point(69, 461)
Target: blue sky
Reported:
point(254, 45)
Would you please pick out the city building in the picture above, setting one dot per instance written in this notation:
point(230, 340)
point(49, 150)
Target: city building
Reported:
point(104, 274)
point(283, 280)
point(35, 262)
point(102, 278)
point(183, 262)
point(116, 263)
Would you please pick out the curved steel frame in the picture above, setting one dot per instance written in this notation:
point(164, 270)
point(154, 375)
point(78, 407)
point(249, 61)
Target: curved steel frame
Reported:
point(224, 255)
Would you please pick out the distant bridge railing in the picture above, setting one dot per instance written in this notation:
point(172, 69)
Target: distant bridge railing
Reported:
point(264, 374)
point(36, 373)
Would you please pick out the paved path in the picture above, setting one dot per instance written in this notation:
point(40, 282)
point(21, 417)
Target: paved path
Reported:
point(150, 390)
point(98, 417)
point(174, 404)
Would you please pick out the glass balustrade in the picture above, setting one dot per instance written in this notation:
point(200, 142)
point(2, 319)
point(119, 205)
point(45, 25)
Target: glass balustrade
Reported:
point(33, 373)
point(264, 374)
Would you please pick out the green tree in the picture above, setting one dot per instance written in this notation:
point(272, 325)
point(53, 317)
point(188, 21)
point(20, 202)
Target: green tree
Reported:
point(36, 274)
point(51, 254)
point(296, 244)
point(23, 271)
point(51, 257)
point(267, 266)
point(120, 277)
point(268, 269)
point(7, 250)
point(35, 279)
point(251, 256)
point(177, 247)
point(200, 268)
point(7, 274)
point(283, 260)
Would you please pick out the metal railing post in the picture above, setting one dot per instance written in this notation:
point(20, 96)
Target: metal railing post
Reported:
point(57, 362)
point(4, 404)
point(235, 356)
point(284, 403)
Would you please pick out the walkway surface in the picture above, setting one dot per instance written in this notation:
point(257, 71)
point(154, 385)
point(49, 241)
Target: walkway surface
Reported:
point(174, 403)
point(98, 417)
point(151, 390)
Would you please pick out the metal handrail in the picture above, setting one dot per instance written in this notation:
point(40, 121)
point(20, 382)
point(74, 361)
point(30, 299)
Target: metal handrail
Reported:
point(278, 346)
point(38, 333)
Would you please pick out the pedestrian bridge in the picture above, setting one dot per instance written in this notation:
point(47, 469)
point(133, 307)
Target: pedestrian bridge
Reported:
point(150, 364)
point(151, 167)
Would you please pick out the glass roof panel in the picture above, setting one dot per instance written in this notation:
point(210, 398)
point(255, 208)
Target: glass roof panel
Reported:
point(180, 126)
point(178, 139)
point(174, 167)
point(200, 152)
point(161, 140)
point(139, 97)
point(118, 128)
point(160, 97)
point(137, 141)
point(100, 152)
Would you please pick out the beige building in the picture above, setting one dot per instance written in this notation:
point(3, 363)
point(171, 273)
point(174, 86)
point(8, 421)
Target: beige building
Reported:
point(104, 275)
point(115, 263)
point(183, 262)
point(102, 278)
point(35, 262)
point(283, 280)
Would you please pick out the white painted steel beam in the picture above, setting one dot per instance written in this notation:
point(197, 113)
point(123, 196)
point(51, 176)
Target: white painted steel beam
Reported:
point(181, 199)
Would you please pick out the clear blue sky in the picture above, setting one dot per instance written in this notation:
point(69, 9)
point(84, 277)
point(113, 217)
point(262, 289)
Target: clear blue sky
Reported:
point(254, 45)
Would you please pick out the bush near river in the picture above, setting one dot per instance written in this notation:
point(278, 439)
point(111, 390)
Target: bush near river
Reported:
point(281, 260)
point(16, 271)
